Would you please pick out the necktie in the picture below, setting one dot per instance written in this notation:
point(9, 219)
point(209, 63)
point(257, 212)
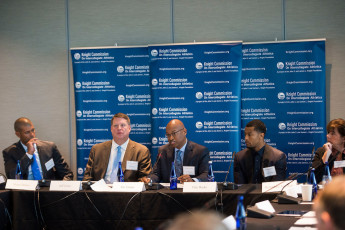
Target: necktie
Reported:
point(178, 163)
point(35, 169)
point(113, 176)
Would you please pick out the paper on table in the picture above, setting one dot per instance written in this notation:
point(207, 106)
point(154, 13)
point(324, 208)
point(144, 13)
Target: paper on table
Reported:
point(309, 214)
point(100, 186)
point(266, 206)
point(168, 185)
point(302, 228)
point(230, 222)
point(306, 221)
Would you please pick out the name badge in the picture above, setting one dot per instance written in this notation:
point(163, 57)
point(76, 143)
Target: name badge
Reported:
point(49, 164)
point(22, 184)
point(270, 171)
point(57, 185)
point(200, 187)
point(132, 165)
point(128, 187)
point(339, 164)
point(188, 170)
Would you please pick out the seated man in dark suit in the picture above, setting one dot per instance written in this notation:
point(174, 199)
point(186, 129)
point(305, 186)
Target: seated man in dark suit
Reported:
point(259, 162)
point(38, 159)
point(104, 158)
point(186, 154)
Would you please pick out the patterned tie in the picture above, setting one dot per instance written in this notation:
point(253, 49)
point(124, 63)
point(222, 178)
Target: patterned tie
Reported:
point(113, 175)
point(35, 169)
point(178, 163)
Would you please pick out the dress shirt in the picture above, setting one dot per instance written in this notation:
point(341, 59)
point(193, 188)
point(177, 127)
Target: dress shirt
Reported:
point(30, 174)
point(181, 154)
point(257, 176)
point(113, 157)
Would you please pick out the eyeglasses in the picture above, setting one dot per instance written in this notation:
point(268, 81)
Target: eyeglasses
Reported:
point(173, 133)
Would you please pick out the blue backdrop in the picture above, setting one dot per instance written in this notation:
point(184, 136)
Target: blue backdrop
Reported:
point(283, 84)
point(214, 88)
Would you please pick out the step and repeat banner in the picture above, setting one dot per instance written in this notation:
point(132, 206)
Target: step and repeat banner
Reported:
point(199, 84)
point(283, 84)
point(214, 88)
point(108, 81)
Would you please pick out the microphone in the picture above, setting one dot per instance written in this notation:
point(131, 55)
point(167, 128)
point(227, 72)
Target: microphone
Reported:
point(226, 185)
point(286, 199)
point(154, 186)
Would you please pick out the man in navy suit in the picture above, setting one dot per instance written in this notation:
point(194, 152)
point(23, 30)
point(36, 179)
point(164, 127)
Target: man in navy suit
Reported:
point(192, 164)
point(49, 162)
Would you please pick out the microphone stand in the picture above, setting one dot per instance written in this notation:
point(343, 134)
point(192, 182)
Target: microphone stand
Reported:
point(229, 185)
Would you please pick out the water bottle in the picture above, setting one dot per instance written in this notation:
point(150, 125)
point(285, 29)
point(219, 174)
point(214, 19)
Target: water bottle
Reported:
point(326, 175)
point(173, 178)
point(312, 181)
point(120, 173)
point(19, 174)
point(240, 215)
point(210, 176)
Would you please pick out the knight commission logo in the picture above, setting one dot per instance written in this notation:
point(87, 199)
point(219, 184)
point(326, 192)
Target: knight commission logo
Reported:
point(198, 65)
point(78, 85)
point(199, 95)
point(154, 140)
point(79, 113)
point(79, 142)
point(121, 98)
point(154, 53)
point(120, 69)
point(154, 82)
point(280, 65)
point(80, 171)
point(154, 111)
point(198, 125)
point(77, 56)
point(281, 95)
point(282, 126)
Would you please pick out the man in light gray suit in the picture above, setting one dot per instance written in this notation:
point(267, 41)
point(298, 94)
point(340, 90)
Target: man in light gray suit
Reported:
point(103, 160)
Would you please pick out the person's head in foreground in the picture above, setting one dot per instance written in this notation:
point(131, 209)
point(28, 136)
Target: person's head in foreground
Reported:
point(329, 205)
point(199, 220)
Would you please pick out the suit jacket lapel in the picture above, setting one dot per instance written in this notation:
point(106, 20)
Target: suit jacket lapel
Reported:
point(170, 156)
point(20, 150)
point(265, 162)
point(188, 153)
point(106, 150)
point(128, 155)
point(40, 156)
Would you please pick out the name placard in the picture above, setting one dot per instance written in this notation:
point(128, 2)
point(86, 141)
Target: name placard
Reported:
point(57, 185)
point(200, 187)
point(277, 186)
point(21, 184)
point(128, 187)
point(339, 164)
